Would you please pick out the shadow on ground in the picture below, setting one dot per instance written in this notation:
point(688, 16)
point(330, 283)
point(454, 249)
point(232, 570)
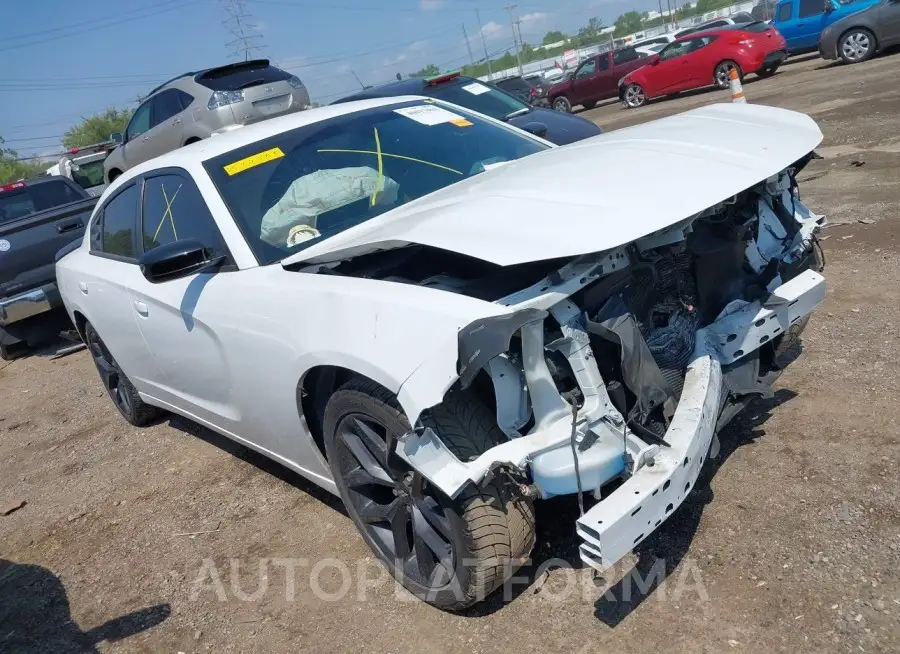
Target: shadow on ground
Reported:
point(35, 616)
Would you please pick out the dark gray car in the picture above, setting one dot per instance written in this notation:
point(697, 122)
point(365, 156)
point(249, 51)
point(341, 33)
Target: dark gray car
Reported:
point(859, 36)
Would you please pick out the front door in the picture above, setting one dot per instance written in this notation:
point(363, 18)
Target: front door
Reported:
point(583, 83)
point(137, 139)
point(176, 317)
point(672, 73)
point(811, 20)
point(889, 18)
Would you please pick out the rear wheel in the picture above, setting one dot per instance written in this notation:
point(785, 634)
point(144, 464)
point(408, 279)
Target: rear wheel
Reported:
point(634, 96)
point(562, 104)
point(120, 390)
point(857, 45)
point(722, 73)
point(448, 552)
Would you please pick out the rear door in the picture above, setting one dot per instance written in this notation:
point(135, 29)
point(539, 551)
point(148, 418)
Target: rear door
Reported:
point(167, 131)
point(104, 279)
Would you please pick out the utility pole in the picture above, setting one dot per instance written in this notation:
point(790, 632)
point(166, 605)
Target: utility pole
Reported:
point(512, 24)
point(468, 45)
point(662, 15)
point(237, 21)
point(484, 43)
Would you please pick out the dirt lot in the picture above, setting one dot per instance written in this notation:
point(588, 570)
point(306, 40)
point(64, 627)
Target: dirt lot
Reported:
point(790, 541)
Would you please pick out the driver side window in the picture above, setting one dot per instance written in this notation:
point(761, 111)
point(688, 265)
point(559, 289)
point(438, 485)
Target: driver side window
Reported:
point(676, 49)
point(140, 121)
point(587, 69)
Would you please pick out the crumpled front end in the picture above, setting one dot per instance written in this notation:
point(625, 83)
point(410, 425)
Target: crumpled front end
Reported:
point(612, 375)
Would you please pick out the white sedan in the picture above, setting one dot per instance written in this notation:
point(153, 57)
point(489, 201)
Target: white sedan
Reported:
point(443, 319)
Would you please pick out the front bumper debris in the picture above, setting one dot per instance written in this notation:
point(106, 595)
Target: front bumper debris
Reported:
point(616, 525)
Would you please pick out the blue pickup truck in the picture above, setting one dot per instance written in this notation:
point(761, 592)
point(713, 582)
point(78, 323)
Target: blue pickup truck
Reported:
point(801, 22)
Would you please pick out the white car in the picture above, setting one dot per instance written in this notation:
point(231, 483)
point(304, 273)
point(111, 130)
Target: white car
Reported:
point(443, 319)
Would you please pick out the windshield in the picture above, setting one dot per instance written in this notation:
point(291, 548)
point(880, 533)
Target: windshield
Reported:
point(472, 94)
point(303, 186)
point(89, 175)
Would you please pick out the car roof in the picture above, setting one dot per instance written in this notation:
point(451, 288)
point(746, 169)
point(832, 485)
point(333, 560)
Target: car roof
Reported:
point(413, 86)
point(715, 30)
point(201, 151)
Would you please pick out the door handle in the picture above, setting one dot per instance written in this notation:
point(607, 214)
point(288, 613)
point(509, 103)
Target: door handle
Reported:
point(141, 308)
point(177, 121)
point(146, 138)
point(83, 287)
point(62, 228)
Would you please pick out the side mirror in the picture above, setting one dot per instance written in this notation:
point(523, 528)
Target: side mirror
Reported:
point(116, 137)
point(571, 76)
point(654, 60)
point(536, 128)
point(178, 259)
point(828, 7)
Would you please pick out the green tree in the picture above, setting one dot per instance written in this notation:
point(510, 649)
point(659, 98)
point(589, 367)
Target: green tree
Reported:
point(13, 168)
point(628, 23)
point(97, 128)
point(552, 37)
point(426, 71)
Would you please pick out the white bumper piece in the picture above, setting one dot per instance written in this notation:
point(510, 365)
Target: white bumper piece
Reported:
point(616, 525)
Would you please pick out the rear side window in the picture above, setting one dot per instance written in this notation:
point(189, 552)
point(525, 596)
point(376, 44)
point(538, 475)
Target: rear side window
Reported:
point(624, 56)
point(175, 210)
point(120, 216)
point(810, 8)
point(166, 105)
point(242, 76)
point(785, 11)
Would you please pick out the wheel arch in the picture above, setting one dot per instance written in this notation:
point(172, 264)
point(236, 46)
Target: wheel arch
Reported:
point(80, 321)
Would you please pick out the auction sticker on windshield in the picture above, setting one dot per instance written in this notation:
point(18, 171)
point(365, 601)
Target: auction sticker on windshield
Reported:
point(475, 88)
point(430, 115)
point(253, 161)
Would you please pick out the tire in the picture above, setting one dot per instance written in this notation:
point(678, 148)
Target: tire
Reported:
point(767, 72)
point(722, 71)
point(562, 104)
point(589, 105)
point(857, 45)
point(123, 394)
point(487, 530)
point(634, 96)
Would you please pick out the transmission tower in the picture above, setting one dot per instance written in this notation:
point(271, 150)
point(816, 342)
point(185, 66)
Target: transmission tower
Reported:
point(238, 22)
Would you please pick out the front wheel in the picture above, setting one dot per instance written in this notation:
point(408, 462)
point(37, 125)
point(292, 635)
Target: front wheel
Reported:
point(119, 388)
point(634, 96)
point(856, 46)
point(450, 553)
point(562, 104)
point(722, 73)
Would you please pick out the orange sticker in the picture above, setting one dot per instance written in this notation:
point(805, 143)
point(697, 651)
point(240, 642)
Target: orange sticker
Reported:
point(462, 122)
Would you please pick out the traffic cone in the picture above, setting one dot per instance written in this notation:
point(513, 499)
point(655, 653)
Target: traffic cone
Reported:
point(737, 91)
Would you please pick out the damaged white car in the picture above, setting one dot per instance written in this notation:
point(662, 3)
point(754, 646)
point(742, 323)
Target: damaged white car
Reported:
point(444, 319)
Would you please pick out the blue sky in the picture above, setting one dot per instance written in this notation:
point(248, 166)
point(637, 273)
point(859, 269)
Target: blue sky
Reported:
point(63, 59)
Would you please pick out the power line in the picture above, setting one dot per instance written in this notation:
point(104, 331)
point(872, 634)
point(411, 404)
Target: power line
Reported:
point(246, 37)
point(163, 7)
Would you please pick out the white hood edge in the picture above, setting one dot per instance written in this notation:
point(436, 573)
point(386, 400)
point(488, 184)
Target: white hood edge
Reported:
point(593, 195)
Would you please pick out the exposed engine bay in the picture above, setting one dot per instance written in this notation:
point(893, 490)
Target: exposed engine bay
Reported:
point(620, 367)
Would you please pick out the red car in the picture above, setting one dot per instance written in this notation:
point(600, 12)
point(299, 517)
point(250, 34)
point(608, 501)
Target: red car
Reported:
point(704, 58)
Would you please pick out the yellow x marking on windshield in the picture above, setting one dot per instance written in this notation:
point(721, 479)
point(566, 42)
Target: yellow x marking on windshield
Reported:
point(167, 212)
point(380, 166)
point(395, 156)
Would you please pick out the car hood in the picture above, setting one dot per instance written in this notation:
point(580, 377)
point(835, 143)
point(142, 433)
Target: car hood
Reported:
point(593, 195)
point(562, 129)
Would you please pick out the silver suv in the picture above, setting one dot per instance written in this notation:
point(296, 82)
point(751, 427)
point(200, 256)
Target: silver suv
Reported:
point(194, 106)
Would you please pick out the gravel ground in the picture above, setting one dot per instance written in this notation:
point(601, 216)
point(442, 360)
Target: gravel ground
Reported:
point(171, 538)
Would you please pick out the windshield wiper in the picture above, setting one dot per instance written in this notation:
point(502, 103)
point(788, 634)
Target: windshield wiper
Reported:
point(517, 112)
